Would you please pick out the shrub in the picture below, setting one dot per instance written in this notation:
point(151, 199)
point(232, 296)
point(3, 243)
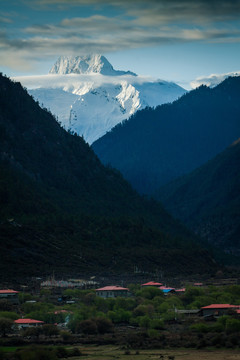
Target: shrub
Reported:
point(119, 316)
point(157, 324)
point(36, 353)
point(66, 336)
point(9, 315)
point(2, 355)
point(74, 352)
point(218, 340)
point(61, 352)
point(32, 331)
point(153, 333)
point(50, 330)
point(5, 305)
point(232, 325)
point(5, 326)
point(200, 327)
point(149, 292)
point(103, 325)
point(144, 321)
point(87, 327)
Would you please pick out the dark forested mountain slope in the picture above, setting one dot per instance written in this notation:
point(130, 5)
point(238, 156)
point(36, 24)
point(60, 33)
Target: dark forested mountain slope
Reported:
point(62, 210)
point(157, 145)
point(208, 199)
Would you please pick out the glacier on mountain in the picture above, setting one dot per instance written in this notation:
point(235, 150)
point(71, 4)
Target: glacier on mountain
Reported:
point(89, 97)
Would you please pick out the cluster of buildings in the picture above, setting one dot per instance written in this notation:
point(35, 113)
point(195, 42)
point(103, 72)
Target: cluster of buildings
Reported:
point(115, 291)
point(213, 310)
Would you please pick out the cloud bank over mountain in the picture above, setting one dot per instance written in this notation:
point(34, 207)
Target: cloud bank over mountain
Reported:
point(213, 79)
point(72, 80)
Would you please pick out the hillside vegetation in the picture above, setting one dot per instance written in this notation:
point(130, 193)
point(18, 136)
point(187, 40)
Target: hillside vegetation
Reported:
point(62, 210)
point(158, 145)
point(208, 199)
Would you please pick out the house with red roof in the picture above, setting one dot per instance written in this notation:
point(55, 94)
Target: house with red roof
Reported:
point(180, 291)
point(218, 309)
point(10, 295)
point(25, 323)
point(112, 292)
point(152, 283)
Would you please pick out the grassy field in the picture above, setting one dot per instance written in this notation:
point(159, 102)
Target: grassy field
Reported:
point(115, 353)
point(118, 353)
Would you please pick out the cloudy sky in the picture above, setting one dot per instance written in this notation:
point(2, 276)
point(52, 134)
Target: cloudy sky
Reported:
point(177, 40)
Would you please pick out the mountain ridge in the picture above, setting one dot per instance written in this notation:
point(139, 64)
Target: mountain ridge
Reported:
point(63, 211)
point(157, 145)
point(208, 201)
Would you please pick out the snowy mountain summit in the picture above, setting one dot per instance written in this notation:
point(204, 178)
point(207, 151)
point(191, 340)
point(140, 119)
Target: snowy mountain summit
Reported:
point(89, 64)
point(90, 97)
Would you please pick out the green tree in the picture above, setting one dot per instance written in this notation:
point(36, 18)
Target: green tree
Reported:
point(5, 326)
point(103, 325)
point(125, 304)
point(36, 353)
point(9, 315)
point(144, 321)
point(119, 316)
point(191, 294)
point(87, 327)
point(32, 331)
point(149, 292)
point(50, 330)
point(157, 324)
point(5, 305)
point(232, 325)
point(200, 327)
point(24, 297)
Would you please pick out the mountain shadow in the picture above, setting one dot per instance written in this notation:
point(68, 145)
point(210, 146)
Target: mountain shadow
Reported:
point(208, 200)
point(63, 211)
point(158, 145)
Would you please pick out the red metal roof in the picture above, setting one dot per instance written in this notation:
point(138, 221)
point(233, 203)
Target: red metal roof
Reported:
point(181, 290)
point(28, 321)
point(8, 291)
point(112, 288)
point(220, 306)
point(152, 283)
point(61, 311)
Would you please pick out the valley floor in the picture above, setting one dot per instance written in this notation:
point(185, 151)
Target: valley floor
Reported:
point(113, 353)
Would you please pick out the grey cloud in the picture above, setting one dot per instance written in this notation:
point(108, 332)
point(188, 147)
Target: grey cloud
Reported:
point(168, 7)
point(98, 40)
point(94, 24)
point(5, 20)
point(151, 23)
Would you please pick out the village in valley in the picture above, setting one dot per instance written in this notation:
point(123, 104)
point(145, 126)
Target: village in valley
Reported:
point(68, 314)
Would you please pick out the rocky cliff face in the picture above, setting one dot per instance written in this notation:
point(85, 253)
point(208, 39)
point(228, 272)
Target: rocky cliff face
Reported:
point(88, 64)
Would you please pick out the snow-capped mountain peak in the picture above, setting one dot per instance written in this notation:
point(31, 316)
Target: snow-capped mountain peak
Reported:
point(88, 64)
point(90, 97)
